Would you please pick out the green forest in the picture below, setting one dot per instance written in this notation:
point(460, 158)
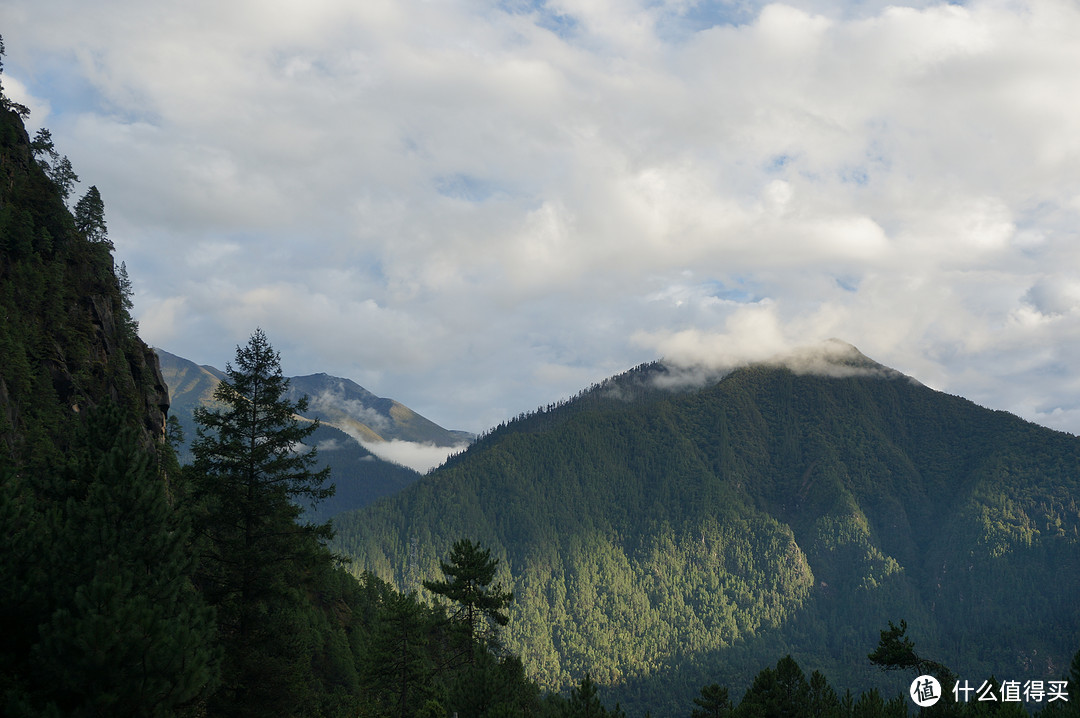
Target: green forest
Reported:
point(666, 540)
point(630, 552)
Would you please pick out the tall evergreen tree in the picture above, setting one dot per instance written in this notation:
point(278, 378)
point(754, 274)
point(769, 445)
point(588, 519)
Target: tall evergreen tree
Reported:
point(90, 216)
point(585, 702)
point(251, 470)
point(126, 302)
point(470, 572)
point(398, 657)
point(780, 692)
point(824, 702)
point(56, 168)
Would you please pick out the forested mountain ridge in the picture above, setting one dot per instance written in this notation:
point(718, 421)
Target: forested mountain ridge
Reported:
point(660, 540)
point(66, 336)
point(96, 600)
point(683, 537)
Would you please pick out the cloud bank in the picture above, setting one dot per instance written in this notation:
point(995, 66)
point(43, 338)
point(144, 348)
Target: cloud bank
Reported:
point(480, 208)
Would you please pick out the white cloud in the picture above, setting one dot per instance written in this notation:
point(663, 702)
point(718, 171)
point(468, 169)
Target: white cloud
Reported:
point(328, 445)
point(335, 401)
point(475, 206)
point(417, 456)
point(39, 108)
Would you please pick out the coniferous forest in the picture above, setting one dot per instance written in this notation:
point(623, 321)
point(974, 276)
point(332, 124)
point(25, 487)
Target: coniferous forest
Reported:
point(767, 544)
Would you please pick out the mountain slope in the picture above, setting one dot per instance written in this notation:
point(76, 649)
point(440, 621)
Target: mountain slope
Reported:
point(336, 401)
point(352, 408)
point(347, 412)
point(66, 340)
point(99, 613)
point(678, 539)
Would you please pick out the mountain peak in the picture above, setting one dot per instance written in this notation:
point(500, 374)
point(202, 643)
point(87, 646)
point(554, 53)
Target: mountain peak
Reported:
point(832, 357)
point(786, 502)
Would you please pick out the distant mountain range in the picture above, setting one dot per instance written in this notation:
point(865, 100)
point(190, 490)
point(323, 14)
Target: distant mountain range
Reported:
point(368, 441)
point(667, 529)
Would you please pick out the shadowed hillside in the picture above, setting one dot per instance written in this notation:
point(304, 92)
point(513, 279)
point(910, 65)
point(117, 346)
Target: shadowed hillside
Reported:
point(663, 538)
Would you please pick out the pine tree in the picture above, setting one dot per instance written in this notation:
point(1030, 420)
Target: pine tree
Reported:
point(126, 302)
point(56, 168)
point(585, 702)
point(824, 702)
point(780, 692)
point(90, 216)
point(250, 473)
point(895, 651)
point(398, 661)
point(713, 703)
point(43, 143)
point(470, 572)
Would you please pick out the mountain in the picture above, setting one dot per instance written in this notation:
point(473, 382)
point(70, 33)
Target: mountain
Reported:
point(99, 612)
point(672, 528)
point(352, 408)
point(348, 415)
point(67, 341)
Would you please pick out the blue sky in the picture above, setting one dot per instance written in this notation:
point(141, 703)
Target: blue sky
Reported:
point(478, 208)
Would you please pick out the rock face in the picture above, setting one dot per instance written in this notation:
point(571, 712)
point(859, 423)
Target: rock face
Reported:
point(66, 338)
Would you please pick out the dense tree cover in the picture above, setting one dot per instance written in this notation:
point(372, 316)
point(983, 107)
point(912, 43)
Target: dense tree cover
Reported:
point(784, 691)
point(100, 614)
point(679, 537)
point(66, 337)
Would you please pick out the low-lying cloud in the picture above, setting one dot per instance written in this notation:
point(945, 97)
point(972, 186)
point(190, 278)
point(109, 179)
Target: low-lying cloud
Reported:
point(416, 456)
point(335, 402)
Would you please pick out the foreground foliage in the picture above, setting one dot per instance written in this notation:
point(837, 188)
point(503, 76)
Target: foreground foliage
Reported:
point(784, 691)
point(100, 614)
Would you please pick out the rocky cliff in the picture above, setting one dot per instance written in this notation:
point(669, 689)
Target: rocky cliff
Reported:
point(66, 338)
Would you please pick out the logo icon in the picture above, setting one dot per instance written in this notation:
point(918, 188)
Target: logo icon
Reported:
point(925, 691)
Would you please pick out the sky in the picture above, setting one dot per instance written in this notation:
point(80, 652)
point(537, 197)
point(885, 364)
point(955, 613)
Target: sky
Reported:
point(478, 208)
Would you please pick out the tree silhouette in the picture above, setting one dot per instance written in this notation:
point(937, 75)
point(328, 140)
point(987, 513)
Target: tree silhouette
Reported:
point(250, 471)
point(90, 216)
point(469, 575)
